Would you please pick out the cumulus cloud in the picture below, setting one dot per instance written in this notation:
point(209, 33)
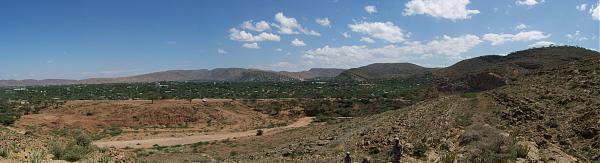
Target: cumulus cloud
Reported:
point(367, 39)
point(323, 22)
point(297, 42)
point(221, 51)
point(243, 36)
point(446, 9)
point(258, 26)
point(289, 25)
point(253, 45)
point(541, 44)
point(371, 9)
point(595, 11)
point(521, 26)
point(386, 31)
point(346, 35)
point(529, 2)
point(351, 56)
point(578, 36)
point(581, 7)
point(499, 39)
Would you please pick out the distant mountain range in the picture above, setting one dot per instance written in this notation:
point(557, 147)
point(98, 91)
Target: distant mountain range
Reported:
point(479, 73)
point(219, 74)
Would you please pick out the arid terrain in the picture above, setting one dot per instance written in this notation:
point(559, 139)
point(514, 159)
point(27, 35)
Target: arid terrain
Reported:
point(515, 108)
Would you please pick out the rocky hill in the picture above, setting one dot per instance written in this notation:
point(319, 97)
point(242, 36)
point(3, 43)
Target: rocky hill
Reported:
point(487, 72)
point(476, 74)
point(548, 115)
point(313, 73)
point(383, 71)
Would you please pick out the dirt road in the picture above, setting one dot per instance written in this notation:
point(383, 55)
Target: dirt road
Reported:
point(170, 141)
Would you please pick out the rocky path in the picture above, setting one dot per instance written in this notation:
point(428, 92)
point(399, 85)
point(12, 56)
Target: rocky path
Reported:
point(170, 141)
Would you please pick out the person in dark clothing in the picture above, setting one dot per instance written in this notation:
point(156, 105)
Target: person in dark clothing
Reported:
point(347, 159)
point(397, 151)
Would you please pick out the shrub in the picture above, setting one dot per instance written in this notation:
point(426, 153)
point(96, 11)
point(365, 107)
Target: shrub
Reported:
point(57, 149)
point(419, 149)
point(552, 123)
point(233, 153)
point(469, 136)
point(448, 157)
point(464, 120)
point(521, 151)
point(106, 159)
point(4, 152)
point(73, 151)
point(36, 157)
point(7, 119)
point(468, 95)
point(82, 139)
point(259, 132)
point(113, 130)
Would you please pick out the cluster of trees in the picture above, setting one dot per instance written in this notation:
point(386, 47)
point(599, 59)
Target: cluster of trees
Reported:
point(333, 98)
point(406, 89)
point(7, 114)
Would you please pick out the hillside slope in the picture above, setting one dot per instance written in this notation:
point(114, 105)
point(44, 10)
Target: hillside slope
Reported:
point(313, 73)
point(383, 71)
point(548, 115)
point(488, 72)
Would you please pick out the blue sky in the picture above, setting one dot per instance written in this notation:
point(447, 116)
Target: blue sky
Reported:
point(77, 39)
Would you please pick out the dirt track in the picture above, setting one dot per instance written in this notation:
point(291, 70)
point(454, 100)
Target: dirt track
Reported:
point(148, 143)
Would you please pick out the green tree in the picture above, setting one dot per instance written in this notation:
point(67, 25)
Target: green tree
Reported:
point(152, 96)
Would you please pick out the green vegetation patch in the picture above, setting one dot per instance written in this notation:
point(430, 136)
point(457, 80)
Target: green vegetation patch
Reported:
point(464, 120)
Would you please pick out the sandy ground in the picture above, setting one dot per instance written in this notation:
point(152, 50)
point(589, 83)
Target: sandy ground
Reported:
point(170, 141)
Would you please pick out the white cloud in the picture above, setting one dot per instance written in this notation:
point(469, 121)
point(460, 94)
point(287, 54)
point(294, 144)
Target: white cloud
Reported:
point(323, 22)
point(521, 26)
point(371, 9)
point(352, 56)
point(447, 9)
point(499, 39)
point(541, 44)
point(529, 2)
point(595, 11)
point(289, 25)
point(258, 26)
point(297, 42)
point(221, 51)
point(581, 7)
point(278, 49)
point(367, 39)
point(386, 31)
point(243, 36)
point(578, 36)
point(253, 45)
point(346, 35)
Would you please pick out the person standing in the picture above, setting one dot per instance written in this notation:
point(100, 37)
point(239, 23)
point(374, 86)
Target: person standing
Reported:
point(347, 158)
point(397, 151)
